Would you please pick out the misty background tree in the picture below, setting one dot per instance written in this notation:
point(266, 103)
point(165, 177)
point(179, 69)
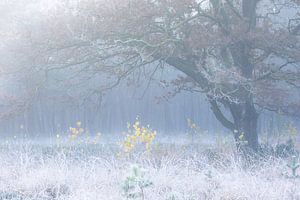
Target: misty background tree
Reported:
point(242, 55)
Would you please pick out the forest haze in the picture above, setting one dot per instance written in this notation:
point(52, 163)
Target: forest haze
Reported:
point(62, 62)
point(149, 99)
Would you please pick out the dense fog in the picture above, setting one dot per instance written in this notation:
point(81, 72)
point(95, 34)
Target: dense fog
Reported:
point(46, 103)
point(110, 112)
point(149, 99)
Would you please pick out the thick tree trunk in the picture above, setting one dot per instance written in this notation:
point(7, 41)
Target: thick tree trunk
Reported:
point(245, 123)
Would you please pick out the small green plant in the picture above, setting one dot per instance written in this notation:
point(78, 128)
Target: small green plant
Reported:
point(208, 174)
point(294, 165)
point(135, 183)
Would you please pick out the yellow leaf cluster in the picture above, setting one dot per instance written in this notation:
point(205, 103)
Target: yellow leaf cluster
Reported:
point(75, 131)
point(136, 135)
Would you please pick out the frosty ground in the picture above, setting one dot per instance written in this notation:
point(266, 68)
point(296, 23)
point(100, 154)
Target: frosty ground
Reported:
point(82, 171)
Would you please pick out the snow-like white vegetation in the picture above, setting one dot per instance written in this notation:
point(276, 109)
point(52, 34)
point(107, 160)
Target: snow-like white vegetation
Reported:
point(176, 172)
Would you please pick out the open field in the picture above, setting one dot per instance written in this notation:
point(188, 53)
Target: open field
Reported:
point(30, 171)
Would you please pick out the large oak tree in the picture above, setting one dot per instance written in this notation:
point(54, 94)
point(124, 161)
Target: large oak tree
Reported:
point(242, 54)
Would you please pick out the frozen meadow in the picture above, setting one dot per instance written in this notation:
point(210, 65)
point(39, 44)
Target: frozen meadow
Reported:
point(87, 171)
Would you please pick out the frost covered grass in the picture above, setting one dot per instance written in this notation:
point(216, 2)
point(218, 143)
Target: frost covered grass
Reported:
point(176, 172)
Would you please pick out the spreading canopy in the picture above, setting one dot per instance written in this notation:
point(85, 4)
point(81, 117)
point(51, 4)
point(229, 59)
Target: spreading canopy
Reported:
point(227, 47)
